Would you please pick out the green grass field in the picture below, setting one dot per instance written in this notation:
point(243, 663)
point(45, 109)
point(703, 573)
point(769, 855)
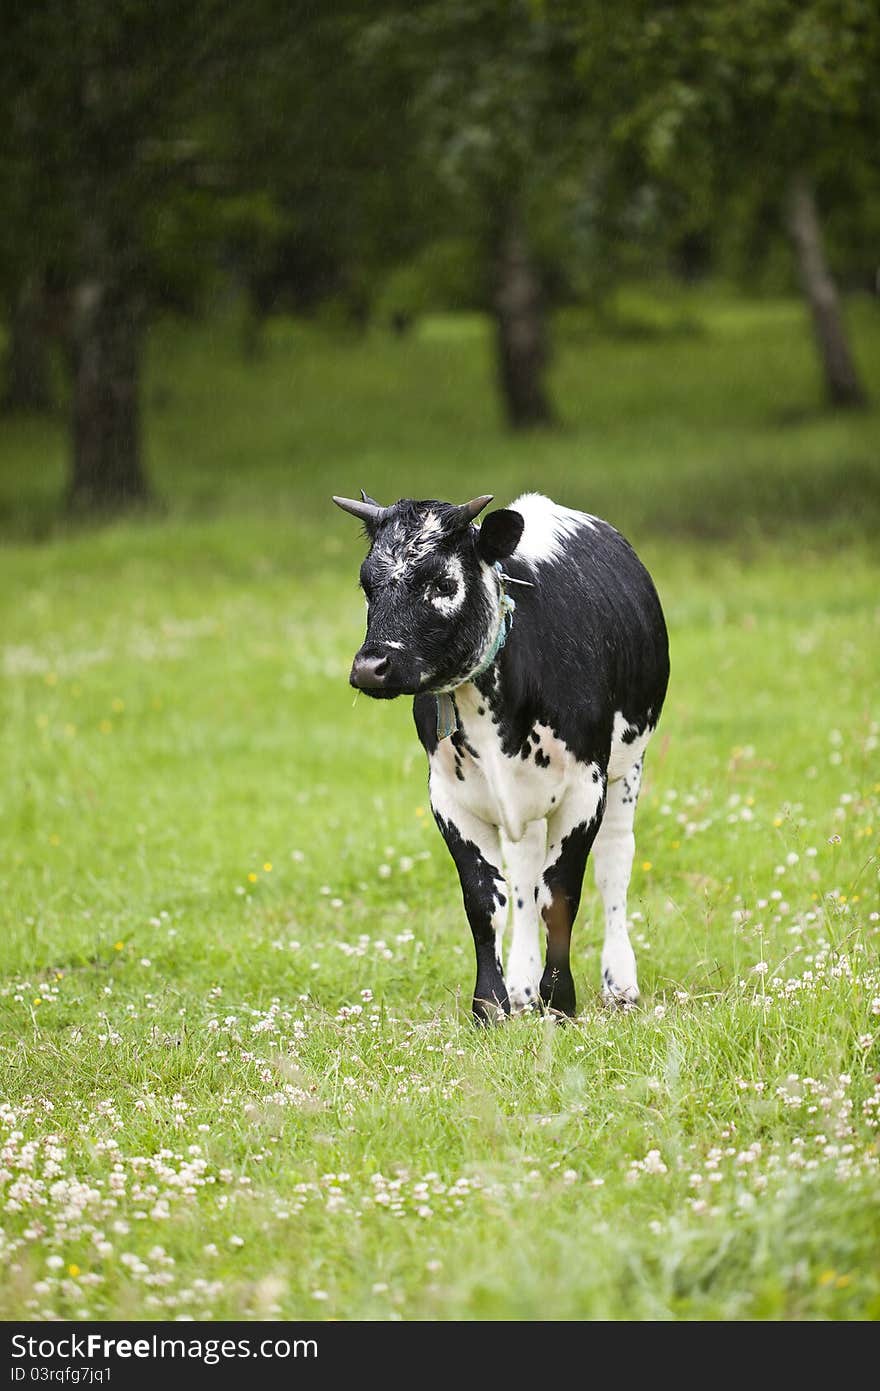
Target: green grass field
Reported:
point(238, 1076)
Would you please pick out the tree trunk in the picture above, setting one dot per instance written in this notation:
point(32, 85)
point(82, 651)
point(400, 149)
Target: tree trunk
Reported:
point(841, 378)
point(107, 473)
point(520, 330)
point(27, 364)
point(107, 326)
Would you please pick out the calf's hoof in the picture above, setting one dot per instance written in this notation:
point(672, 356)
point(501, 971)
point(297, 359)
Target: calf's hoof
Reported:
point(557, 992)
point(622, 994)
point(619, 983)
point(524, 999)
point(490, 1010)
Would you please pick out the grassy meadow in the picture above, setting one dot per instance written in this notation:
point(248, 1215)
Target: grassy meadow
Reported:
point(238, 1077)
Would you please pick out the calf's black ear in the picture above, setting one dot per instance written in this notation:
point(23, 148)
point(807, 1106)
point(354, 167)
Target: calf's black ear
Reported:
point(499, 535)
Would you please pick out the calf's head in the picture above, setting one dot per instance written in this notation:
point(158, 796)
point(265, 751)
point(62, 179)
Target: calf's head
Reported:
point(433, 595)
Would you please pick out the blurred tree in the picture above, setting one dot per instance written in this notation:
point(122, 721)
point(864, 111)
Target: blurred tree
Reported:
point(496, 111)
point(28, 371)
point(27, 230)
point(841, 377)
point(97, 103)
point(304, 150)
point(143, 146)
point(320, 156)
point(769, 96)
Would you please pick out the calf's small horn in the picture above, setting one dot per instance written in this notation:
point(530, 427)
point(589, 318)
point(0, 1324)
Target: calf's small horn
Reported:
point(469, 510)
point(368, 510)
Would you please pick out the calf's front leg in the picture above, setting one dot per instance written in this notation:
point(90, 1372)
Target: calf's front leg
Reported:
point(476, 849)
point(523, 861)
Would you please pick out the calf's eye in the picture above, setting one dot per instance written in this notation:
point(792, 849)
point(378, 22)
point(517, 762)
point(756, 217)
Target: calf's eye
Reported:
point(444, 589)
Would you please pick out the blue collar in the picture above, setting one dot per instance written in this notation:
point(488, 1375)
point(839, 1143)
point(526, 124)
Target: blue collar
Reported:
point(447, 715)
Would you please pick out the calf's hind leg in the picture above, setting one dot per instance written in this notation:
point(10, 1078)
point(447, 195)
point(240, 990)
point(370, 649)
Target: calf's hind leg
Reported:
point(613, 852)
point(570, 833)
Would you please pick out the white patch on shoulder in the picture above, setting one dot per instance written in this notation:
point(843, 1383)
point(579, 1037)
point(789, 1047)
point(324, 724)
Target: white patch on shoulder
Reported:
point(548, 526)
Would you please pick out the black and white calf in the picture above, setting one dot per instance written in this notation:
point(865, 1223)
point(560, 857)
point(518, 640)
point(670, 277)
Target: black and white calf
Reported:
point(536, 651)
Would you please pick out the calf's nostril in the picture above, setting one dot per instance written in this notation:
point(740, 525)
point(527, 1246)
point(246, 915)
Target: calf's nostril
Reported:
point(369, 673)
